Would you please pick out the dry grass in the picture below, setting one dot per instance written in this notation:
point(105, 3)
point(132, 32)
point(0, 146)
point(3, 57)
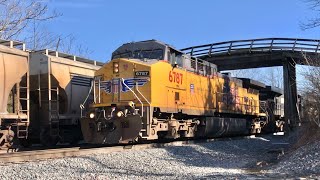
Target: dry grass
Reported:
point(308, 133)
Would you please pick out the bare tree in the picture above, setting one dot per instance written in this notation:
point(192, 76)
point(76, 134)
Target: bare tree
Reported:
point(70, 45)
point(312, 22)
point(273, 77)
point(26, 19)
point(41, 38)
point(311, 90)
point(16, 16)
point(270, 76)
point(244, 73)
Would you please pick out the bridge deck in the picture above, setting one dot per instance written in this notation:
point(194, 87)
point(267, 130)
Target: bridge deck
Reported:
point(254, 53)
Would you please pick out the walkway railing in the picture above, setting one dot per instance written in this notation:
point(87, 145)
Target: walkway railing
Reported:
point(254, 45)
point(13, 44)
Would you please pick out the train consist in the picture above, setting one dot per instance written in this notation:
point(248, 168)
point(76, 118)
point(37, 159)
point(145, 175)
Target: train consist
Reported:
point(150, 90)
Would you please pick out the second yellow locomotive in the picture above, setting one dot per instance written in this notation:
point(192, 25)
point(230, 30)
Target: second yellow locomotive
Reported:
point(150, 90)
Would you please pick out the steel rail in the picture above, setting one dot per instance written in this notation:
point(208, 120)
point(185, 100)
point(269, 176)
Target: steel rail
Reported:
point(36, 155)
point(254, 45)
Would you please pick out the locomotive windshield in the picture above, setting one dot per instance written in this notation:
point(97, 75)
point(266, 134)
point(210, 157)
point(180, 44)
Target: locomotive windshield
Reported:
point(142, 54)
point(150, 49)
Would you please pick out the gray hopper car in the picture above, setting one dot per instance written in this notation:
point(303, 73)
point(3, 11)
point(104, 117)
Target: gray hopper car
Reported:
point(14, 92)
point(40, 94)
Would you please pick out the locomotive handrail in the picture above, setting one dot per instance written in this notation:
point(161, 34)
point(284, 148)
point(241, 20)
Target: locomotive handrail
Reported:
point(254, 45)
point(134, 95)
point(142, 94)
point(82, 106)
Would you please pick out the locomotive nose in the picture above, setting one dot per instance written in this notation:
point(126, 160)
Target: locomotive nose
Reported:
point(117, 130)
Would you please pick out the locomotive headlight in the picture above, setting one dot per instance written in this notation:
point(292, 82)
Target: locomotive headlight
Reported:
point(131, 104)
point(115, 67)
point(91, 115)
point(120, 113)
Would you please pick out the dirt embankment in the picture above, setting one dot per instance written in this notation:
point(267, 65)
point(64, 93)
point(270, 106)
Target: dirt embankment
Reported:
point(302, 159)
point(307, 134)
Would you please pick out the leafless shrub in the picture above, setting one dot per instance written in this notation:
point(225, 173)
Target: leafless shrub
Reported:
point(311, 90)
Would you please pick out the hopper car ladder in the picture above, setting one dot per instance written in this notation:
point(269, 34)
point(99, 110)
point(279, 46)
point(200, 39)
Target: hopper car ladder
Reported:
point(50, 96)
point(54, 111)
point(23, 123)
point(53, 108)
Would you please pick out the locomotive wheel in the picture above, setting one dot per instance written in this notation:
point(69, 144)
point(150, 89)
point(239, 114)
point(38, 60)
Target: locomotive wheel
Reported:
point(46, 139)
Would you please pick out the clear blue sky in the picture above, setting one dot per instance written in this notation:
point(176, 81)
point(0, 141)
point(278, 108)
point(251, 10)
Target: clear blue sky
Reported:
point(103, 25)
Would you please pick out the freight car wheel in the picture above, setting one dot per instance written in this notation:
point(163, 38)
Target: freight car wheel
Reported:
point(6, 138)
point(46, 139)
point(75, 140)
point(25, 142)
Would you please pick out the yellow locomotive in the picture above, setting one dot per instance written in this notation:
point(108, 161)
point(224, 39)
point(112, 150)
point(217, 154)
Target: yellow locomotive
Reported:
point(150, 90)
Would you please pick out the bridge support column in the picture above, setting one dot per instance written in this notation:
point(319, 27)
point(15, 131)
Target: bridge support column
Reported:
point(290, 93)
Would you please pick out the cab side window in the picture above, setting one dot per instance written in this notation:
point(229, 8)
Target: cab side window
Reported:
point(179, 61)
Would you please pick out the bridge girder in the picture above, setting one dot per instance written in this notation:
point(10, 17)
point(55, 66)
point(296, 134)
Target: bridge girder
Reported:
point(257, 60)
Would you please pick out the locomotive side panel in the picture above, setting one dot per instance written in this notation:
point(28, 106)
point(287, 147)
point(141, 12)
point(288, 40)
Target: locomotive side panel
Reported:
point(177, 90)
point(168, 88)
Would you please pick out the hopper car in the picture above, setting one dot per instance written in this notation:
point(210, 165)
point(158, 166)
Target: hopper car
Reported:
point(150, 90)
point(40, 94)
point(14, 92)
point(59, 83)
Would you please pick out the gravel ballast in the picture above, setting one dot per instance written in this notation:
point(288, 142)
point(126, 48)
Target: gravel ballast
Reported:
point(242, 159)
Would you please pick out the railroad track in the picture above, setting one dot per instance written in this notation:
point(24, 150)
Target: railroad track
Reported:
point(35, 155)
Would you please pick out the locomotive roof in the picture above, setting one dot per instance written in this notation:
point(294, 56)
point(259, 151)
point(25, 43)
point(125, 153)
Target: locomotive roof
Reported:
point(270, 92)
point(147, 44)
point(250, 83)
